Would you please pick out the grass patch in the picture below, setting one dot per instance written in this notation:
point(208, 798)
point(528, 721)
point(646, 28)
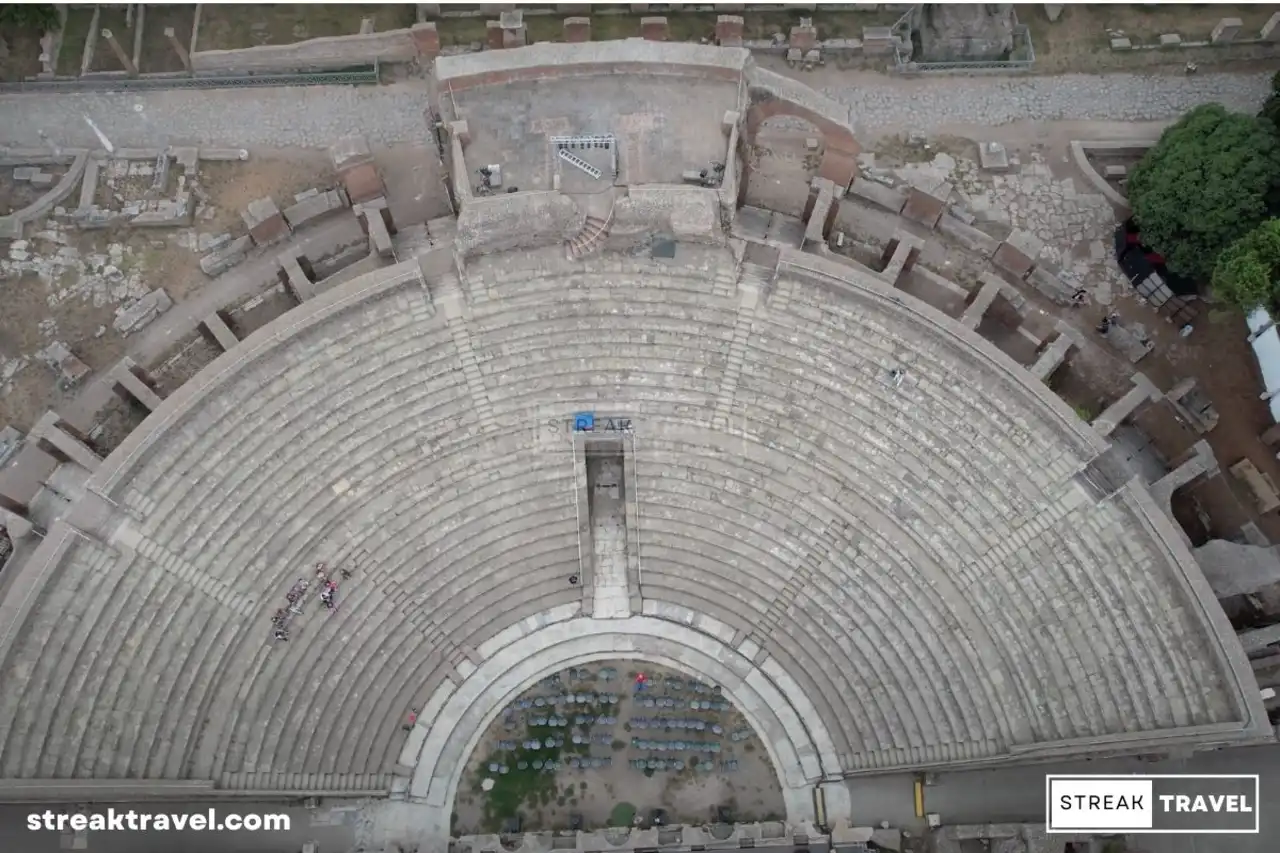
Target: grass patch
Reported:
point(231, 27)
point(1084, 413)
point(623, 814)
point(74, 35)
point(528, 786)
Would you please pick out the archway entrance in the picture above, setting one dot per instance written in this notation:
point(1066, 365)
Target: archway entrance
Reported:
point(838, 149)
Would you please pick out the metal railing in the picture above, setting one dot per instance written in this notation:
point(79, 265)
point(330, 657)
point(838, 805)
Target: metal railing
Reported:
point(1022, 56)
point(365, 75)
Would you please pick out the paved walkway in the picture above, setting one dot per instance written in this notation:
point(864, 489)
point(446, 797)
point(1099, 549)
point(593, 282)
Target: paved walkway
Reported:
point(315, 116)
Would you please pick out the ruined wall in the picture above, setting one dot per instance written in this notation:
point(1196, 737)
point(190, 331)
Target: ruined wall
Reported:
point(313, 54)
point(516, 221)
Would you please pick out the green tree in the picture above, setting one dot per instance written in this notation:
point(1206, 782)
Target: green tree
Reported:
point(1271, 107)
point(32, 16)
point(1204, 184)
point(1248, 271)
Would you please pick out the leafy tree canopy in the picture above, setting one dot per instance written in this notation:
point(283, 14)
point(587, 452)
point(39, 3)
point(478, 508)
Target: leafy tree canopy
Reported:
point(29, 16)
point(1203, 185)
point(1248, 271)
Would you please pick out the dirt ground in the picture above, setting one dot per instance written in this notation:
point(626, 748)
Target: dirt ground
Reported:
point(749, 788)
point(157, 53)
point(230, 27)
point(1080, 39)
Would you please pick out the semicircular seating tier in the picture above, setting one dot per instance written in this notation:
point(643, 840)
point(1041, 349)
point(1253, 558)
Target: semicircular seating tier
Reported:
point(917, 558)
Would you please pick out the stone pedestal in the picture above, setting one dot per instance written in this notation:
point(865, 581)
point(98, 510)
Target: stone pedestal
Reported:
point(878, 41)
point(926, 205)
point(577, 30)
point(993, 157)
point(729, 30)
point(493, 39)
point(654, 29)
point(265, 222)
point(1226, 30)
point(1018, 253)
point(428, 11)
point(803, 38)
point(426, 40)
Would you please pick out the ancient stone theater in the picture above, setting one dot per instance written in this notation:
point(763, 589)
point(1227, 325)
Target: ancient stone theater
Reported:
point(606, 412)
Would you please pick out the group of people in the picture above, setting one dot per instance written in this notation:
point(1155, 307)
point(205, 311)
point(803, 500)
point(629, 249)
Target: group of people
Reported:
point(297, 597)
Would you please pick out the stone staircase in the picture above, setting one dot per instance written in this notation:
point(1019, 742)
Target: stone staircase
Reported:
point(590, 238)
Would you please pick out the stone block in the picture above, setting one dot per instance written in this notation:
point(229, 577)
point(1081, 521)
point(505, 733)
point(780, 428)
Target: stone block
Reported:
point(216, 325)
point(460, 131)
point(514, 38)
point(1018, 253)
point(729, 121)
point(926, 206)
point(577, 30)
point(493, 35)
point(25, 173)
point(729, 30)
point(1170, 40)
point(803, 38)
point(1271, 29)
point(314, 206)
point(426, 40)
point(511, 19)
point(138, 314)
point(654, 29)
point(363, 183)
point(265, 222)
point(1053, 11)
point(428, 11)
point(993, 157)
point(42, 179)
point(878, 41)
point(1116, 171)
point(70, 369)
point(218, 262)
point(350, 151)
point(1226, 30)
point(1120, 44)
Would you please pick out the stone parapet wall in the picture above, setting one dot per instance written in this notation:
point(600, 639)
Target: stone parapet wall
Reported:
point(516, 221)
point(317, 53)
point(690, 214)
point(553, 61)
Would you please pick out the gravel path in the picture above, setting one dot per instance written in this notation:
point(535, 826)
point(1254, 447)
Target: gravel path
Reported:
point(315, 116)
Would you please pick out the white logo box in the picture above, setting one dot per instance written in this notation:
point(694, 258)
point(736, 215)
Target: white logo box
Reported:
point(1126, 803)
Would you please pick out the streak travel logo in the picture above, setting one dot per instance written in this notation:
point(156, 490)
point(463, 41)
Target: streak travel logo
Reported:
point(1174, 803)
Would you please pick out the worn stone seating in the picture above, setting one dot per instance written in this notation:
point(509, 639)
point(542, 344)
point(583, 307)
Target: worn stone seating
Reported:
point(916, 559)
